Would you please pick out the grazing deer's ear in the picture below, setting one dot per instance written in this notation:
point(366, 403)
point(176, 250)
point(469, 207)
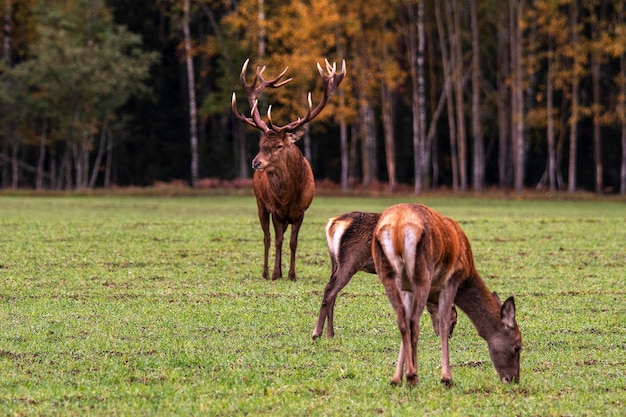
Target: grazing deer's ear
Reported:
point(295, 136)
point(495, 297)
point(507, 312)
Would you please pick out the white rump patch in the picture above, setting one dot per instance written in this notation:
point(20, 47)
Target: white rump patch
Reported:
point(334, 240)
point(410, 247)
point(386, 242)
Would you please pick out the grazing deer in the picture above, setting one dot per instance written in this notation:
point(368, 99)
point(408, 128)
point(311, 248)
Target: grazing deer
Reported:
point(349, 239)
point(423, 256)
point(283, 181)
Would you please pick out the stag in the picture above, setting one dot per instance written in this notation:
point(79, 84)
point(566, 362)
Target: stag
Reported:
point(283, 181)
point(423, 256)
point(349, 239)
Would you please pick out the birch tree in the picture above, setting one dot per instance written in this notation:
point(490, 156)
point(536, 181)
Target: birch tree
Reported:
point(191, 92)
point(479, 147)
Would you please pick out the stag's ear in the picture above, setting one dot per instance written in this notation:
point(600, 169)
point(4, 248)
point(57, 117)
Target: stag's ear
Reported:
point(507, 312)
point(293, 137)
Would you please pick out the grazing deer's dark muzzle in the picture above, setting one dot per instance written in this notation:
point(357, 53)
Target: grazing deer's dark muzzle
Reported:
point(509, 379)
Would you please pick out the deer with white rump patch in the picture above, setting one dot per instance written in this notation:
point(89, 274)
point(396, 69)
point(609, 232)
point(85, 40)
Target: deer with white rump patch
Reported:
point(422, 256)
point(349, 239)
point(283, 181)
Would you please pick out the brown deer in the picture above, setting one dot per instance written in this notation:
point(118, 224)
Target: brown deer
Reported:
point(423, 256)
point(283, 181)
point(349, 239)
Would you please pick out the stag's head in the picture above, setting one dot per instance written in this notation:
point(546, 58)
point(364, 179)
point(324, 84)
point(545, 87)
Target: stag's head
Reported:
point(278, 141)
point(505, 346)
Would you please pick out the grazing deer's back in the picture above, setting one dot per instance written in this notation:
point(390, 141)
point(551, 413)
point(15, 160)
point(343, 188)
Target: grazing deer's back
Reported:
point(434, 238)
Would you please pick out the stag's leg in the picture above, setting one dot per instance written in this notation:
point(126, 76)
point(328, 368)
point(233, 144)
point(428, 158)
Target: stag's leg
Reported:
point(446, 298)
point(279, 230)
point(293, 246)
point(264, 219)
point(338, 279)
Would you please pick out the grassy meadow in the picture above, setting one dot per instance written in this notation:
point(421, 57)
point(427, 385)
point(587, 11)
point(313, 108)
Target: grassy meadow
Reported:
point(155, 306)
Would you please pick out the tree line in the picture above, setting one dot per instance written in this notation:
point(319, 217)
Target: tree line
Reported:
point(462, 94)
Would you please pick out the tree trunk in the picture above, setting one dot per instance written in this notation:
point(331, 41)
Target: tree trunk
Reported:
point(101, 150)
point(573, 133)
point(109, 162)
point(456, 52)
point(421, 99)
point(343, 125)
point(6, 27)
point(504, 96)
point(191, 89)
point(479, 147)
point(353, 173)
point(308, 153)
point(389, 133)
point(412, 51)
point(241, 149)
point(15, 170)
point(368, 135)
point(597, 141)
point(447, 70)
point(550, 111)
point(42, 156)
point(517, 96)
point(621, 106)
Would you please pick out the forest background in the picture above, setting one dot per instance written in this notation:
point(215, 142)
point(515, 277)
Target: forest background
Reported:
point(456, 94)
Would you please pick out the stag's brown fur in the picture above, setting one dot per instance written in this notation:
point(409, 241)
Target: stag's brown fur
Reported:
point(283, 180)
point(349, 239)
point(423, 256)
point(284, 187)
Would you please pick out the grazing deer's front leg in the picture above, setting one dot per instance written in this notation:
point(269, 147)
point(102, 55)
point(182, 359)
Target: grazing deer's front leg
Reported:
point(446, 298)
point(293, 246)
point(264, 219)
point(279, 230)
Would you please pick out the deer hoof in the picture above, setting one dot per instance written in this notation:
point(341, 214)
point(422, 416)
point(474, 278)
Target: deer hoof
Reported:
point(411, 379)
point(447, 382)
point(395, 382)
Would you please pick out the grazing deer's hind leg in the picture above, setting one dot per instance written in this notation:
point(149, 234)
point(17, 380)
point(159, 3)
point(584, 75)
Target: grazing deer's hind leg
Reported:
point(390, 269)
point(338, 279)
point(397, 375)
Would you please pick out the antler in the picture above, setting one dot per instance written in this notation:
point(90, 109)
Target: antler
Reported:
point(331, 79)
point(253, 90)
point(331, 82)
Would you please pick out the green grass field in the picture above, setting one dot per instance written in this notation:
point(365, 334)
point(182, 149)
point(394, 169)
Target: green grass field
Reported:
point(154, 306)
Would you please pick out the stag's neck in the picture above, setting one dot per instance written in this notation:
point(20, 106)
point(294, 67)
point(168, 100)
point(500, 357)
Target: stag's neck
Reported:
point(289, 180)
point(474, 299)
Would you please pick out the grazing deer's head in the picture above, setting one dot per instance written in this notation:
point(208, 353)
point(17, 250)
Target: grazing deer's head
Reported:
point(505, 346)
